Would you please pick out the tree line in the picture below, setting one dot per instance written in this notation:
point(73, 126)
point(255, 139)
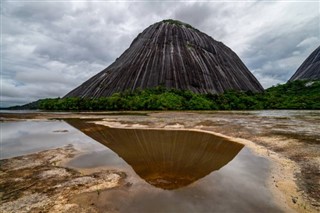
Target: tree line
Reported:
point(292, 95)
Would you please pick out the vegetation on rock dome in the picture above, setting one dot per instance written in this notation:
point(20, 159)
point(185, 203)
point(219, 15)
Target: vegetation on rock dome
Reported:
point(178, 23)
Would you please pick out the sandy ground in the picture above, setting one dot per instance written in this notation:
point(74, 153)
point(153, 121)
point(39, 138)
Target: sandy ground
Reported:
point(291, 141)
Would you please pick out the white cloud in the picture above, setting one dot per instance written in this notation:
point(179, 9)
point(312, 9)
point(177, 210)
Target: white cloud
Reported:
point(309, 42)
point(51, 47)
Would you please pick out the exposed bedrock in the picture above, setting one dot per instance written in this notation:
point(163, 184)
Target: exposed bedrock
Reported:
point(175, 55)
point(310, 68)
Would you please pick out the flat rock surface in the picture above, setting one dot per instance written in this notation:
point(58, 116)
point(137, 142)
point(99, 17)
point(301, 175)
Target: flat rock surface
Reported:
point(37, 183)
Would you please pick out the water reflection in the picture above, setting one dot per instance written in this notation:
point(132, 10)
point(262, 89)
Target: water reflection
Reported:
point(168, 159)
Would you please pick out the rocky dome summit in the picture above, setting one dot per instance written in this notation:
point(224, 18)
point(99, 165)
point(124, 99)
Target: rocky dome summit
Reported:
point(310, 68)
point(172, 54)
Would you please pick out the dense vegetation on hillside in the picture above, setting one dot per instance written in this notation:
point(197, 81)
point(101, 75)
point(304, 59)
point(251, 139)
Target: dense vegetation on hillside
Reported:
point(293, 95)
point(32, 105)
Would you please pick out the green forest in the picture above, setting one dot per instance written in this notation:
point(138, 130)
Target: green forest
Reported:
point(292, 95)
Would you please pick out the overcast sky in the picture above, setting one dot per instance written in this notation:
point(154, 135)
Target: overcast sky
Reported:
point(49, 48)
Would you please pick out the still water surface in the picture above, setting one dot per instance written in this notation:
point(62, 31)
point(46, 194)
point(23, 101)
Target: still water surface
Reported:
point(169, 171)
point(168, 159)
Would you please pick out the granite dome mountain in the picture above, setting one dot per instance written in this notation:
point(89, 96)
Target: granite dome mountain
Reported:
point(310, 68)
point(174, 55)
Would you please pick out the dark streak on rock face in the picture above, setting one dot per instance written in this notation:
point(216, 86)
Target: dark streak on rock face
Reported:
point(310, 68)
point(174, 56)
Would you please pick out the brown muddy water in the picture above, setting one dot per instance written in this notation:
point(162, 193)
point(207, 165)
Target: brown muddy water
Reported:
point(167, 170)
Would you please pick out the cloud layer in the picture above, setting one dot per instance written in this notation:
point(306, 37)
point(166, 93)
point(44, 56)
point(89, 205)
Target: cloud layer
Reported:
point(49, 48)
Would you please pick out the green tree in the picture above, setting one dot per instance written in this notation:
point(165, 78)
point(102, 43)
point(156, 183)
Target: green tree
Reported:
point(198, 102)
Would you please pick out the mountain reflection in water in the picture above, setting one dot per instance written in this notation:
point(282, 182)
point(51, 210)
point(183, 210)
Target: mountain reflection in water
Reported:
point(167, 159)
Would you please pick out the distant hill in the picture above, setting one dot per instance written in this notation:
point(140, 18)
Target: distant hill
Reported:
point(174, 55)
point(310, 68)
point(32, 105)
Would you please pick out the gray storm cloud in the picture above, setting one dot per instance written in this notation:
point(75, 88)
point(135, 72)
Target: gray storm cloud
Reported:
point(48, 48)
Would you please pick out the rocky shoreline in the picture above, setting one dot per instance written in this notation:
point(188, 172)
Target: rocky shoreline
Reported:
point(40, 183)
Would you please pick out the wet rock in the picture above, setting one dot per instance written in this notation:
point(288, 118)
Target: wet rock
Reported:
point(294, 199)
point(40, 186)
point(25, 203)
point(129, 184)
point(63, 130)
point(58, 172)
